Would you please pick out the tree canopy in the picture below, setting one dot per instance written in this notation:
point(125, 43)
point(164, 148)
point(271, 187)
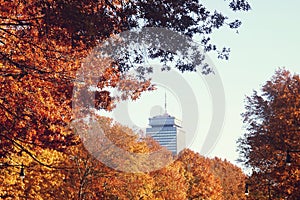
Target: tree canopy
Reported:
point(77, 174)
point(43, 43)
point(272, 120)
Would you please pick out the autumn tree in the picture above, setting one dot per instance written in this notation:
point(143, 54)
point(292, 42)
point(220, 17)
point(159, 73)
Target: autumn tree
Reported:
point(231, 177)
point(76, 173)
point(272, 120)
point(110, 170)
point(106, 172)
point(170, 182)
point(73, 174)
point(41, 178)
point(202, 184)
point(44, 42)
point(190, 176)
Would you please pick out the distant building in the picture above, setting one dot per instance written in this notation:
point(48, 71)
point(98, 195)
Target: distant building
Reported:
point(167, 130)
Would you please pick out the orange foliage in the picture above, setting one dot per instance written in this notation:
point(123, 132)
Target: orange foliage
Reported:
point(272, 129)
point(201, 181)
point(42, 45)
point(78, 174)
point(231, 177)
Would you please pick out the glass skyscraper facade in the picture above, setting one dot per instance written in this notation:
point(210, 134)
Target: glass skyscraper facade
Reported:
point(167, 130)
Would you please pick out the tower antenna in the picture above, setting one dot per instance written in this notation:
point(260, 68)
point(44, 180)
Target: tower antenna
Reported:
point(165, 102)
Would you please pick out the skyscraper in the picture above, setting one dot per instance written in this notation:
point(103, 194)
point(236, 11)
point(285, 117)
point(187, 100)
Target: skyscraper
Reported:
point(167, 130)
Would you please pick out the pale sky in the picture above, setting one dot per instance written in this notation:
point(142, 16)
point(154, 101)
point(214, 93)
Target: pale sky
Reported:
point(267, 39)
